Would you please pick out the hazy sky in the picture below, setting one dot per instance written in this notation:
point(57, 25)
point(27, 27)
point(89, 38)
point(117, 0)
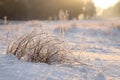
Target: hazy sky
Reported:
point(104, 3)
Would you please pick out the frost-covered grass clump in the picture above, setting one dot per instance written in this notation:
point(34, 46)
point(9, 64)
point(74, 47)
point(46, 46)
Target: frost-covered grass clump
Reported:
point(38, 46)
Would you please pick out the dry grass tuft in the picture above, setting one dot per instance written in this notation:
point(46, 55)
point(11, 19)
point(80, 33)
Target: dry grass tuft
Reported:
point(38, 47)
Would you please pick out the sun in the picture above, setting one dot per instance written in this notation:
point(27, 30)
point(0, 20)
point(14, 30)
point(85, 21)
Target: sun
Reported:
point(104, 3)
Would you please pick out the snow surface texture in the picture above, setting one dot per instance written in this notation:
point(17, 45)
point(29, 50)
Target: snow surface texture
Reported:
point(96, 44)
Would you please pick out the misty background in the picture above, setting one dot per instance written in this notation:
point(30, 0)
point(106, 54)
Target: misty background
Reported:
point(49, 9)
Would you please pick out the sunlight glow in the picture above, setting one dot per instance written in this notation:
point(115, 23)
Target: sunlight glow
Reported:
point(104, 3)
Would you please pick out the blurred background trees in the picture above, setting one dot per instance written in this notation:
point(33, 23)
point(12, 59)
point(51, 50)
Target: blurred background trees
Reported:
point(13, 9)
point(113, 11)
point(89, 10)
point(43, 9)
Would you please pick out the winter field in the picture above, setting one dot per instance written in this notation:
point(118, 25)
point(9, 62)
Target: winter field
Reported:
point(94, 44)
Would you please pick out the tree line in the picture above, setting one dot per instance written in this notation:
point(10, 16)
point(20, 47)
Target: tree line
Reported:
point(43, 9)
point(113, 11)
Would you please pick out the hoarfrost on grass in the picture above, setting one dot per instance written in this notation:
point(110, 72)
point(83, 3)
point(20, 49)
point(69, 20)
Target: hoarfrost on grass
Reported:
point(97, 48)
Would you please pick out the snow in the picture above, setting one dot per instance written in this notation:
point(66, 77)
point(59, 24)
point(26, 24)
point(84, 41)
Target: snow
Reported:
point(95, 47)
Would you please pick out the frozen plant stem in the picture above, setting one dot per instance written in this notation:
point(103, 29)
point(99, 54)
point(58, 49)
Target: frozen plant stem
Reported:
point(63, 16)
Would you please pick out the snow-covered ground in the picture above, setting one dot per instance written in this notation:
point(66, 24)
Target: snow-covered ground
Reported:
point(95, 44)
